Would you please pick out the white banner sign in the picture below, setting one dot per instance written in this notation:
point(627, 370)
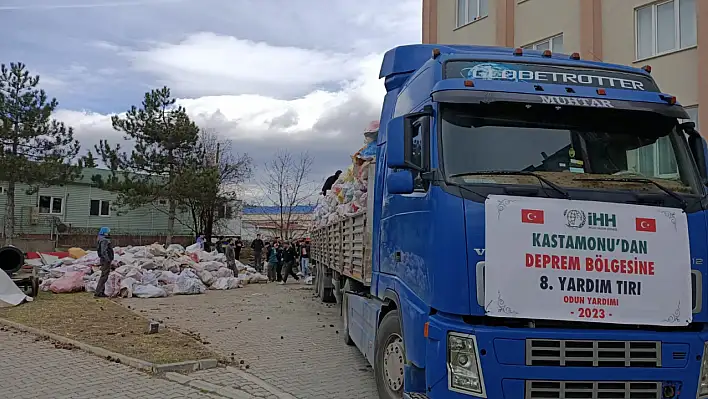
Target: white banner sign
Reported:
point(586, 261)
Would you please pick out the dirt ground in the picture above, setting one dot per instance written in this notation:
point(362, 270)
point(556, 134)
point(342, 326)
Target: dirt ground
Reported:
point(106, 324)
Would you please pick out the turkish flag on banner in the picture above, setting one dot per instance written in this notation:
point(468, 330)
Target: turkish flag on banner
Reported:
point(532, 216)
point(646, 224)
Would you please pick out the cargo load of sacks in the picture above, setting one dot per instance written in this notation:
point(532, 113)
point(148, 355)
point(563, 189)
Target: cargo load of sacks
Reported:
point(146, 272)
point(348, 195)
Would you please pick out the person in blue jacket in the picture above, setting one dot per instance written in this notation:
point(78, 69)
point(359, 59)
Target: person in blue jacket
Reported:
point(106, 256)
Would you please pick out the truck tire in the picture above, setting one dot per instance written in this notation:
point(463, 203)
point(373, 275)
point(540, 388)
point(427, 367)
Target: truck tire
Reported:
point(327, 294)
point(389, 357)
point(345, 313)
point(316, 283)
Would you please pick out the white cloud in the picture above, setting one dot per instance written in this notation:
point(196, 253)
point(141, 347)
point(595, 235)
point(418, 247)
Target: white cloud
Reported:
point(209, 64)
point(320, 120)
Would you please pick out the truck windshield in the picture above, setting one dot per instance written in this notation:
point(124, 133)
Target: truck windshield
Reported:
point(574, 147)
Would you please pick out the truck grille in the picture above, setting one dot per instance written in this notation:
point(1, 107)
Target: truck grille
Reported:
point(592, 390)
point(577, 353)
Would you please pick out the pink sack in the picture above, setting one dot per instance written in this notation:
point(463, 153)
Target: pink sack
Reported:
point(69, 282)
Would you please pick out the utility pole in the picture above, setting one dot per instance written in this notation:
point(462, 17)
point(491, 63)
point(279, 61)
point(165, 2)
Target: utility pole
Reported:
point(209, 225)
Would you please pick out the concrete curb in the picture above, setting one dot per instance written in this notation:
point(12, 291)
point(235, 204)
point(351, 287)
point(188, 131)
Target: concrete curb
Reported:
point(192, 365)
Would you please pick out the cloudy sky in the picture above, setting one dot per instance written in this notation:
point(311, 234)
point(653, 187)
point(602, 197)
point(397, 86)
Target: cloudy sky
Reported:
point(269, 74)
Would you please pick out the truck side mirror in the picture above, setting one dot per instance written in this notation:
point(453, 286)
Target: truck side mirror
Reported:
point(698, 147)
point(399, 140)
point(400, 182)
point(396, 143)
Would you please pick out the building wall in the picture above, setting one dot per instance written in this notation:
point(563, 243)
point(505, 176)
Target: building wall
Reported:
point(148, 220)
point(602, 30)
point(268, 225)
point(537, 20)
point(482, 31)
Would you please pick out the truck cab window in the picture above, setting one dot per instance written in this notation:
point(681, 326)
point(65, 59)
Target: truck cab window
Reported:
point(565, 145)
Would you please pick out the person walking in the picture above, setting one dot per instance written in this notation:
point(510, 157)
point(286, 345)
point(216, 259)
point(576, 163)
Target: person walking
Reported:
point(238, 245)
point(257, 247)
point(230, 253)
point(272, 262)
point(305, 258)
point(289, 258)
point(279, 268)
point(106, 256)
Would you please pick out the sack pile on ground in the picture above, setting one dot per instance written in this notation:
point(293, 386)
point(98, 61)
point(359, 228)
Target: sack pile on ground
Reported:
point(348, 195)
point(148, 272)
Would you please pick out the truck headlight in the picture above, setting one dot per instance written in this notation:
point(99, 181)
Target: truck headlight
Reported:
point(463, 372)
point(703, 377)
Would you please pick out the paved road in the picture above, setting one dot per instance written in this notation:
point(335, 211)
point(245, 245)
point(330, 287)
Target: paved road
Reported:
point(32, 368)
point(289, 341)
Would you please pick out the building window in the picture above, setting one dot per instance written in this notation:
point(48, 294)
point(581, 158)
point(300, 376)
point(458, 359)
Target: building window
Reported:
point(555, 44)
point(51, 205)
point(100, 208)
point(471, 10)
point(162, 202)
point(225, 212)
point(664, 27)
point(655, 160)
point(693, 114)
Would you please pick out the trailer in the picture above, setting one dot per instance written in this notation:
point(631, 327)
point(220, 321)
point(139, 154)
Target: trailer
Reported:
point(341, 251)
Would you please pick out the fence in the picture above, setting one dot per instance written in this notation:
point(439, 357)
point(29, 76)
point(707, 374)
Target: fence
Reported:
point(43, 235)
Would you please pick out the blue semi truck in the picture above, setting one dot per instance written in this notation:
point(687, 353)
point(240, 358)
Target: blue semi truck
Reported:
point(536, 228)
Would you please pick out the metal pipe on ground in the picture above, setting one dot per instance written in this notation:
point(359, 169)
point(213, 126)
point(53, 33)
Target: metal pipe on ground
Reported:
point(11, 259)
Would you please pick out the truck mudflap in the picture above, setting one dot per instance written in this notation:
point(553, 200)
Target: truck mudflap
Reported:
point(541, 363)
point(363, 322)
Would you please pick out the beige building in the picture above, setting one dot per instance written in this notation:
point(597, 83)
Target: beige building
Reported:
point(664, 34)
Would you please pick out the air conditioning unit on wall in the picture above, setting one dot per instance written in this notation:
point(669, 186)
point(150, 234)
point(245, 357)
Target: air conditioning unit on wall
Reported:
point(33, 214)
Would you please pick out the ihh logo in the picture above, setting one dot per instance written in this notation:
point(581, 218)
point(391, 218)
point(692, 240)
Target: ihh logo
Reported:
point(602, 220)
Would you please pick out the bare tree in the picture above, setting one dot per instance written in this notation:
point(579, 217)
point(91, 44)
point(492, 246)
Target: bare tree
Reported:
point(286, 185)
point(213, 181)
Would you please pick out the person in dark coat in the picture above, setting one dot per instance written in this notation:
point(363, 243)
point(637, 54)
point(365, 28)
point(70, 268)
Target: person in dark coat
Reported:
point(279, 267)
point(289, 258)
point(220, 245)
point(257, 247)
point(238, 245)
point(330, 182)
point(106, 256)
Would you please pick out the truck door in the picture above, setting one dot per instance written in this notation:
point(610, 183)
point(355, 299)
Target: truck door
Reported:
point(405, 220)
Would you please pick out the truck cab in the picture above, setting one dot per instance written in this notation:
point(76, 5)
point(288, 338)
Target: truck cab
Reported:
point(502, 174)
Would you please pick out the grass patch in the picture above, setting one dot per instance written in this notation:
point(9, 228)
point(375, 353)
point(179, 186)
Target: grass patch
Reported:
point(106, 324)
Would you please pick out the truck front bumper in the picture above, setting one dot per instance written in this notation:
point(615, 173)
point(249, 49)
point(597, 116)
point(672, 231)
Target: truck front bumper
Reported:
point(531, 363)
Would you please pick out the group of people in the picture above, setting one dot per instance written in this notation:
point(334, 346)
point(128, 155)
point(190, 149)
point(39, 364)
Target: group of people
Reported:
point(282, 258)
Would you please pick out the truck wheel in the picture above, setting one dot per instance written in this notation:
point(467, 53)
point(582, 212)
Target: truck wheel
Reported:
point(326, 294)
point(345, 313)
point(318, 277)
point(389, 357)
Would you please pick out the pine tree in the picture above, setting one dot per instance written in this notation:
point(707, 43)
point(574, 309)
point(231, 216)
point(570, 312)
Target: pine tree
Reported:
point(36, 149)
point(88, 161)
point(163, 137)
